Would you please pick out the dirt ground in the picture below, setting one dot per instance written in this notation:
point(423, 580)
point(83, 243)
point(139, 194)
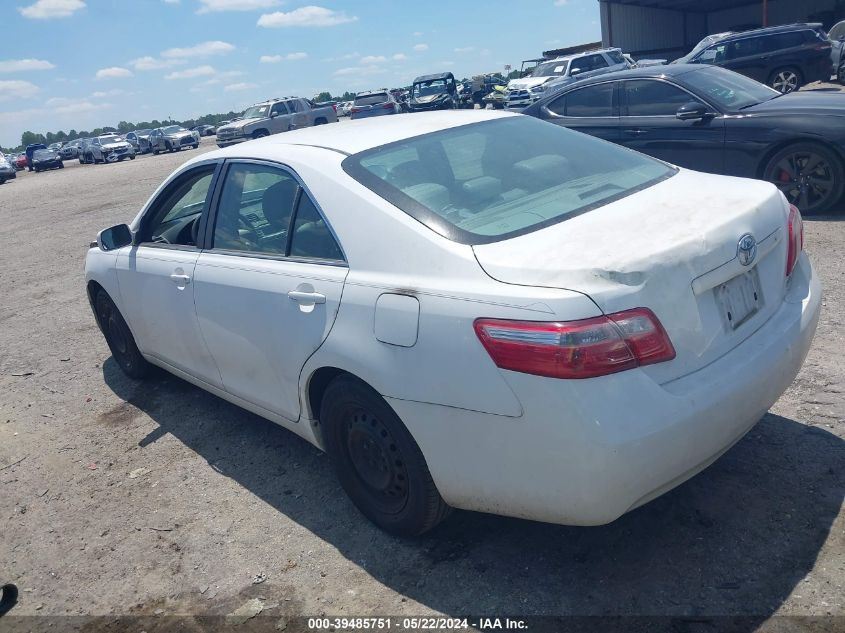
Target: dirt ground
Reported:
point(157, 498)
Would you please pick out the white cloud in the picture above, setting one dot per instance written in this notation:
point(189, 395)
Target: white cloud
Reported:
point(275, 59)
point(465, 49)
point(114, 72)
point(205, 49)
point(17, 89)
point(63, 105)
point(418, 33)
point(373, 59)
point(305, 16)
point(171, 1)
point(400, 57)
point(239, 87)
point(47, 9)
point(100, 94)
point(342, 57)
point(210, 6)
point(199, 71)
point(151, 63)
point(23, 65)
point(560, 3)
point(421, 47)
point(360, 70)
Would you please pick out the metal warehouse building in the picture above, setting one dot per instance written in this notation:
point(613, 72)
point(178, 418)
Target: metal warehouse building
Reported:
point(668, 29)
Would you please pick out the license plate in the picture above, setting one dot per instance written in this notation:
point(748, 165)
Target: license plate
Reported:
point(740, 298)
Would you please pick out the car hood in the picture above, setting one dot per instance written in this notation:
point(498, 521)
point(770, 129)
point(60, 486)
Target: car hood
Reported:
point(179, 134)
point(811, 102)
point(430, 98)
point(239, 124)
point(117, 145)
point(528, 82)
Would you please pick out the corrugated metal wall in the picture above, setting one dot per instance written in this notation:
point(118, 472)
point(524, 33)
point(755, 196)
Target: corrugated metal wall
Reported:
point(665, 33)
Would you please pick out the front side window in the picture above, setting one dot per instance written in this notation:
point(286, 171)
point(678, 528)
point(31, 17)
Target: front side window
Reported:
point(713, 55)
point(521, 174)
point(279, 108)
point(174, 216)
point(654, 98)
point(590, 62)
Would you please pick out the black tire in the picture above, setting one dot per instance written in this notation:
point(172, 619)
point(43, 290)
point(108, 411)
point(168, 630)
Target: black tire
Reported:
point(119, 338)
point(811, 176)
point(320, 121)
point(154, 150)
point(377, 461)
point(260, 134)
point(61, 165)
point(169, 147)
point(841, 74)
point(785, 80)
point(195, 146)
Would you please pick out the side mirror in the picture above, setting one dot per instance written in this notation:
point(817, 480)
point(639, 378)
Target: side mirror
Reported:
point(115, 237)
point(575, 71)
point(273, 115)
point(692, 111)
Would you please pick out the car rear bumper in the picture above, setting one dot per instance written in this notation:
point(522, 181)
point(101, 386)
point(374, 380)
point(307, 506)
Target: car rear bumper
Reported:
point(586, 452)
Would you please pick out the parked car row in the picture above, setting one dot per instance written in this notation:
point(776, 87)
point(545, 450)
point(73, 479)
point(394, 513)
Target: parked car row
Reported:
point(273, 117)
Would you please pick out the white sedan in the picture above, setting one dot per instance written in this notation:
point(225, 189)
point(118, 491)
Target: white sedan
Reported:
point(469, 309)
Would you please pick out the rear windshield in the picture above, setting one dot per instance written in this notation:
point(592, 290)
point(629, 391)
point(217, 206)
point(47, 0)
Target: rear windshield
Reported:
point(493, 180)
point(371, 99)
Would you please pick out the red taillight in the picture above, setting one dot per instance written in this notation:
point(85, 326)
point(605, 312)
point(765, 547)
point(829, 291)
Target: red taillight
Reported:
point(577, 349)
point(334, 107)
point(354, 110)
point(795, 238)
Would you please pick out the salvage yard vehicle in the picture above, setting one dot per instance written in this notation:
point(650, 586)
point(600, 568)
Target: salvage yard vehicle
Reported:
point(783, 57)
point(433, 92)
point(837, 52)
point(108, 148)
point(30, 150)
point(714, 120)
point(43, 159)
point(273, 117)
point(7, 169)
point(600, 326)
point(172, 138)
point(372, 103)
point(558, 73)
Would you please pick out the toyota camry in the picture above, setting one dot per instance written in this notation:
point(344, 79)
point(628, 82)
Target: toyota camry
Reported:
point(468, 309)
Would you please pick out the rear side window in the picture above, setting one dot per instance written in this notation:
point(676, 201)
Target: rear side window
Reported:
point(616, 57)
point(373, 99)
point(590, 62)
point(488, 181)
point(654, 98)
point(780, 41)
point(592, 101)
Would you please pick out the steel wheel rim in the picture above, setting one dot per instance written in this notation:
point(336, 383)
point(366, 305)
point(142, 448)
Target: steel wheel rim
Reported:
point(785, 81)
point(376, 460)
point(807, 179)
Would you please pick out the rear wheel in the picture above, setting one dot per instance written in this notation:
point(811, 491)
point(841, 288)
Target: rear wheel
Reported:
point(377, 461)
point(809, 175)
point(119, 338)
point(260, 134)
point(841, 74)
point(785, 80)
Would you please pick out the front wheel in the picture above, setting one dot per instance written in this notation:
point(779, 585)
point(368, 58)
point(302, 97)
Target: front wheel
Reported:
point(119, 338)
point(169, 147)
point(841, 74)
point(377, 461)
point(785, 80)
point(132, 157)
point(809, 175)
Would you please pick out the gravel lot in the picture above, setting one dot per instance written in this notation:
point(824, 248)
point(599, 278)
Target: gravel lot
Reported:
point(122, 498)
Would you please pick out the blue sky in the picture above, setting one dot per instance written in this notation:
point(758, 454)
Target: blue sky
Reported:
point(82, 63)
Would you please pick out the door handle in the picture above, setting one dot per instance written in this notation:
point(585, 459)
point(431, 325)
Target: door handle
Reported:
point(306, 297)
point(181, 279)
point(636, 132)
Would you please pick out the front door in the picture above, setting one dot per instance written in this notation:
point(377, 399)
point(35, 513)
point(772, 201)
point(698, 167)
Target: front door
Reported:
point(155, 276)
point(649, 124)
point(268, 290)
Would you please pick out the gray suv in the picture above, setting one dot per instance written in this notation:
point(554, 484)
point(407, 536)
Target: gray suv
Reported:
point(557, 73)
point(272, 117)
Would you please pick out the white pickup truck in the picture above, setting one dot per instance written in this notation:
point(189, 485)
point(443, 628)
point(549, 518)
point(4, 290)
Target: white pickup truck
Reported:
point(272, 117)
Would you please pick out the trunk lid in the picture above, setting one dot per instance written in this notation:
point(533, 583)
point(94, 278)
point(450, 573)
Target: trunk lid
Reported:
point(672, 248)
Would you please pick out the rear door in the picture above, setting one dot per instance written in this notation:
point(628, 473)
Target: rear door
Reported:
point(268, 289)
point(649, 124)
point(750, 56)
point(156, 274)
point(300, 115)
point(592, 109)
point(589, 65)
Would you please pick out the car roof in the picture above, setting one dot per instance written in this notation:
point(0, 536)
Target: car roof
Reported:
point(798, 26)
point(564, 58)
point(670, 70)
point(434, 76)
point(364, 134)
